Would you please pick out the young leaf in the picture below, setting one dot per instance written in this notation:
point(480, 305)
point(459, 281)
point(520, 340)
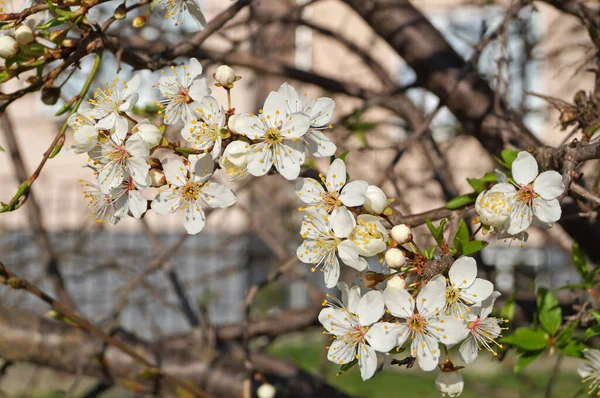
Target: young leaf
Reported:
point(461, 201)
point(509, 156)
point(473, 246)
point(437, 232)
point(525, 359)
point(462, 234)
point(573, 348)
point(550, 313)
point(579, 261)
point(527, 339)
point(346, 367)
point(477, 184)
point(592, 331)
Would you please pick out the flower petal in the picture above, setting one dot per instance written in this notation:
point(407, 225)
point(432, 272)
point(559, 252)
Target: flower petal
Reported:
point(193, 218)
point(524, 168)
point(480, 290)
point(319, 144)
point(260, 160)
point(132, 85)
point(399, 302)
point(201, 167)
point(175, 171)
point(295, 126)
point(217, 195)
point(426, 349)
point(348, 252)
point(291, 97)
point(335, 321)
point(341, 352)
point(336, 176)
point(137, 204)
point(275, 108)
point(320, 111)
point(309, 190)
point(331, 272)
point(194, 68)
point(463, 272)
point(447, 329)
point(547, 211)
point(367, 361)
point(350, 296)
point(383, 336)
point(199, 89)
point(468, 350)
point(353, 193)
point(549, 185)
point(342, 222)
point(432, 298)
point(370, 308)
point(288, 161)
point(520, 219)
point(166, 202)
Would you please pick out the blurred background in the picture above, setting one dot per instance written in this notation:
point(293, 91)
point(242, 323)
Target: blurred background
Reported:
point(148, 278)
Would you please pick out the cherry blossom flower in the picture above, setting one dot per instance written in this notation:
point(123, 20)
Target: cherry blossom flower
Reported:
point(235, 159)
point(450, 383)
point(176, 11)
point(493, 206)
point(128, 198)
point(189, 190)
point(180, 92)
point(277, 133)
point(119, 157)
point(422, 322)
point(110, 103)
point(320, 112)
point(206, 132)
point(85, 134)
point(337, 194)
point(535, 197)
point(464, 288)
point(483, 330)
point(355, 324)
point(148, 132)
point(326, 238)
point(370, 236)
point(590, 371)
point(100, 203)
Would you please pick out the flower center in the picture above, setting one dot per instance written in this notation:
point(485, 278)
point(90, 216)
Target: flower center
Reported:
point(416, 323)
point(118, 154)
point(526, 195)
point(273, 136)
point(190, 191)
point(183, 96)
point(330, 201)
point(357, 334)
point(452, 295)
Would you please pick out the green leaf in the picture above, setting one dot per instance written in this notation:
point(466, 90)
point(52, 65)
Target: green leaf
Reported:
point(509, 309)
point(525, 359)
point(564, 335)
point(509, 156)
point(596, 315)
point(343, 155)
point(549, 311)
point(462, 234)
point(461, 201)
point(579, 261)
point(571, 286)
point(592, 331)
point(430, 253)
point(527, 339)
point(573, 348)
point(346, 367)
point(476, 184)
point(1, 149)
point(473, 246)
point(437, 232)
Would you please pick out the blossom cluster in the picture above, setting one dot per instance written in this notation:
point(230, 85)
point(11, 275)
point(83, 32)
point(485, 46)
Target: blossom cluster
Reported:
point(132, 159)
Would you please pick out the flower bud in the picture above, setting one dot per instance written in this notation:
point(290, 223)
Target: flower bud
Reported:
point(266, 391)
point(372, 279)
point(237, 153)
point(375, 200)
point(395, 258)
point(120, 12)
point(225, 76)
point(449, 383)
point(396, 282)
point(24, 34)
point(493, 208)
point(157, 177)
point(139, 21)
point(149, 133)
point(8, 47)
point(50, 95)
point(402, 234)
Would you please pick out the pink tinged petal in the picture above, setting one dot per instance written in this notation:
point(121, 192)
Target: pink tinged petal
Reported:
point(250, 126)
point(319, 144)
point(138, 169)
point(295, 126)
point(341, 352)
point(275, 108)
point(199, 89)
point(175, 171)
point(348, 252)
point(478, 291)
point(367, 361)
point(166, 202)
point(432, 298)
point(194, 68)
point(353, 193)
point(370, 308)
point(260, 161)
point(336, 176)
point(309, 190)
point(287, 161)
point(137, 204)
point(520, 219)
point(426, 349)
point(447, 330)
point(350, 296)
point(524, 168)
point(463, 272)
point(335, 321)
point(217, 195)
point(320, 111)
point(291, 98)
point(331, 272)
point(549, 185)
point(110, 176)
point(342, 222)
point(132, 85)
point(399, 302)
point(547, 211)
point(129, 103)
point(202, 167)
point(468, 350)
point(193, 217)
point(383, 336)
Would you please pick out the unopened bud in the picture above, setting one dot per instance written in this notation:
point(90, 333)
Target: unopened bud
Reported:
point(375, 200)
point(157, 177)
point(50, 95)
point(395, 258)
point(449, 383)
point(396, 282)
point(372, 279)
point(68, 43)
point(8, 47)
point(266, 391)
point(402, 234)
point(121, 12)
point(24, 35)
point(149, 133)
point(139, 21)
point(225, 76)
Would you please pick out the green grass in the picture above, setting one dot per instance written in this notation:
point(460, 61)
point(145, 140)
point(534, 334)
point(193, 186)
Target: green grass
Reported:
point(484, 378)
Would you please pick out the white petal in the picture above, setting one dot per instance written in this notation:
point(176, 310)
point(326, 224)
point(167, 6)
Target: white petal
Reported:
point(468, 350)
point(196, 12)
point(295, 125)
point(275, 107)
point(353, 193)
point(463, 272)
point(308, 252)
point(549, 185)
point(129, 103)
point(447, 329)
point(110, 176)
point(348, 252)
point(524, 168)
point(175, 171)
point(370, 308)
point(478, 291)
point(342, 222)
point(319, 144)
point(201, 166)
point(132, 85)
point(136, 146)
point(217, 195)
point(547, 211)
point(288, 161)
point(137, 204)
point(383, 336)
point(331, 272)
point(335, 321)
point(107, 122)
point(520, 219)
point(250, 126)
point(138, 169)
point(86, 138)
point(193, 218)
point(199, 89)
point(341, 352)
point(320, 111)
point(166, 202)
point(291, 97)
point(367, 361)
point(592, 355)
point(309, 190)
point(399, 302)
point(485, 308)
point(336, 176)
point(432, 298)
point(260, 161)
point(350, 296)
point(427, 351)
point(194, 68)
point(586, 370)
point(503, 187)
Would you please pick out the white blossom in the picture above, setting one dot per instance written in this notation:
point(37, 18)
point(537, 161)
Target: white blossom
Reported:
point(464, 288)
point(370, 236)
point(375, 200)
point(590, 370)
point(337, 192)
point(148, 132)
point(353, 325)
point(422, 322)
point(483, 330)
point(110, 103)
point(176, 11)
point(493, 206)
point(235, 159)
point(180, 92)
point(128, 198)
point(189, 189)
point(85, 135)
point(320, 112)
point(395, 258)
point(225, 75)
point(401, 233)
point(101, 204)
point(326, 238)
point(449, 383)
point(276, 132)
point(206, 132)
